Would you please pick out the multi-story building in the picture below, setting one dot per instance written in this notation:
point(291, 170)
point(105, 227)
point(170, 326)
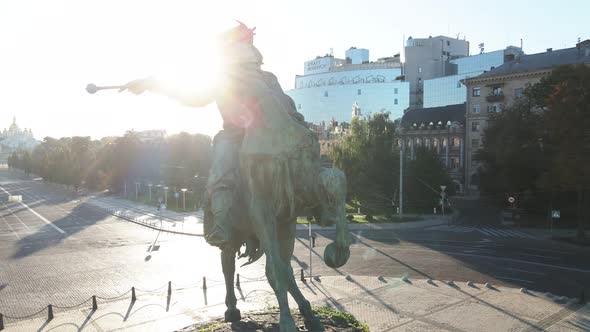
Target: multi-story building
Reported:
point(441, 129)
point(330, 85)
point(449, 90)
point(498, 88)
point(427, 58)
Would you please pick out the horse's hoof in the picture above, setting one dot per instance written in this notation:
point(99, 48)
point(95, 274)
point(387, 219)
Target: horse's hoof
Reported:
point(314, 324)
point(232, 315)
point(287, 324)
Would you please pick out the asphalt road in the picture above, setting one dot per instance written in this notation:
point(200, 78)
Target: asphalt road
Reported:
point(54, 248)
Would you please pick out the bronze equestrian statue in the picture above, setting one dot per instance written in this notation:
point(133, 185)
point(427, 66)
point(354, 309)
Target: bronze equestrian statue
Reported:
point(265, 172)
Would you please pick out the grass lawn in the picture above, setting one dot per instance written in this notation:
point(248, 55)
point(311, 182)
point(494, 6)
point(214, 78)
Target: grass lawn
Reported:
point(376, 219)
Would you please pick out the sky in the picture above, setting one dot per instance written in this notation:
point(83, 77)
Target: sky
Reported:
point(50, 50)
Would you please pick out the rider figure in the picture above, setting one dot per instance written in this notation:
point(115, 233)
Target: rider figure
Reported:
point(238, 110)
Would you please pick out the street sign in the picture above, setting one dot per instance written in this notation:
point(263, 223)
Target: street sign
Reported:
point(511, 199)
point(443, 188)
point(555, 214)
point(176, 195)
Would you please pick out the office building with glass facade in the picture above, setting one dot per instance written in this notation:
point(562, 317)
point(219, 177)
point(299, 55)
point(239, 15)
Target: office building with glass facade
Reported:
point(449, 90)
point(330, 86)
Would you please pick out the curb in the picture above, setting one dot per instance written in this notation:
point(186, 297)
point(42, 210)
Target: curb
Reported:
point(140, 223)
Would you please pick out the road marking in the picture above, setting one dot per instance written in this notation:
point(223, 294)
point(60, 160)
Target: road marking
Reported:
point(485, 232)
point(542, 256)
point(17, 217)
point(12, 229)
point(37, 214)
point(523, 280)
point(516, 261)
point(516, 234)
point(549, 250)
point(525, 271)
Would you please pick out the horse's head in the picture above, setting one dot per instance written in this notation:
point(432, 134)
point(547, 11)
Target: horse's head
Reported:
point(331, 210)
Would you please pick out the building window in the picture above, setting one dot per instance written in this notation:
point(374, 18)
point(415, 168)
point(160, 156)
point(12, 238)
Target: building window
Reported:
point(475, 126)
point(476, 92)
point(395, 101)
point(475, 143)
point(458, 84)
point(496, 108)
point(455, 163)
point(395, 90)
point(358, 92)
point(325, 93)
point(497, 91)
point(456, 141)
point(475, 108)
point(448, 43)
point(518, 92)
point(419, 69)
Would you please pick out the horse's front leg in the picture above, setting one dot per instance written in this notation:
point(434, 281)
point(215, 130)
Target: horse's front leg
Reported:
point(276, 271)
point(228, 264)
point(287, 245)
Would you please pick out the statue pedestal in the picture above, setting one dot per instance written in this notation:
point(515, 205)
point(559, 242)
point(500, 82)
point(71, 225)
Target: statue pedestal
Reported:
point(266, 321)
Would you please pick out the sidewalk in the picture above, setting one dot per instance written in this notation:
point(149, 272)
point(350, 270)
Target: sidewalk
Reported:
point(166, 220)
point(385, 304)
point(429, 222)
point(192, 223)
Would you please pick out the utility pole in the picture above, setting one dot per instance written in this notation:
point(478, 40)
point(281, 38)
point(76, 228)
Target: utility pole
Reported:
point(401, 178)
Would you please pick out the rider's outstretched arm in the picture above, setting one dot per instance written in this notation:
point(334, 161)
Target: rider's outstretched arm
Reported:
point(187, 97)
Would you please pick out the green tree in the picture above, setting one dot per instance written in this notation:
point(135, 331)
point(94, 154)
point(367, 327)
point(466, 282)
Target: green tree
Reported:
point(423, 177)
point(565, 95)
point(541, 144)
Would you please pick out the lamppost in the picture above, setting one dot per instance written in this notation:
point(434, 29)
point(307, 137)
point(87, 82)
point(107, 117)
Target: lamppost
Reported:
point(137, 184)
point(165, 195)
point(183, 198)
point(150, 186)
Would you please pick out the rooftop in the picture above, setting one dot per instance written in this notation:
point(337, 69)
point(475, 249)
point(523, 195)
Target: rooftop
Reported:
point(443, 114)
point(546, 60)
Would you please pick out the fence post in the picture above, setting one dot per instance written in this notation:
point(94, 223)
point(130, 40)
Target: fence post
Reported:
point(49, 312)
point(94, 304)
point(204, 283)
point(169, 288)
point(302, 276)
point(133, 297)
point(1, 322)
point(238, 280)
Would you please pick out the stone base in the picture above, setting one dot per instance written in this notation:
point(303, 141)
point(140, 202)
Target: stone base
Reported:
point(266, 321)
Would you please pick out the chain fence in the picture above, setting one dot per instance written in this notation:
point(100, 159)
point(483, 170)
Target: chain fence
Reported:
point(168, 287)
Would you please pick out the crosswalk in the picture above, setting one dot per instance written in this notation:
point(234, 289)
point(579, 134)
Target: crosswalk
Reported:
point(487, 231)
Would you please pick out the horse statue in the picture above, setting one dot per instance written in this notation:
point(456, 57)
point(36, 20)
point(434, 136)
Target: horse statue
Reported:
point(281, 178)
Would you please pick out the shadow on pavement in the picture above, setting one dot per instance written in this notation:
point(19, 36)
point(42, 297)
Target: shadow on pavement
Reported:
point(48, 236)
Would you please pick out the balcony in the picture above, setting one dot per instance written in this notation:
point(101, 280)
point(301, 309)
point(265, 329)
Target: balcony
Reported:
point(494, 98)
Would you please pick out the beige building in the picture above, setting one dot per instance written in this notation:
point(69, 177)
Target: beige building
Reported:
point(498, 88)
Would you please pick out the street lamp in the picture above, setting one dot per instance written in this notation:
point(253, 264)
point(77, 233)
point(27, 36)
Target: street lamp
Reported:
point(150, 186)
point(165, 195)
point(136, 189)
point(183, 198)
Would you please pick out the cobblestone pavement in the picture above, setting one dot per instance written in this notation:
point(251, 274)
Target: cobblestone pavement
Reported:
point(385, 304)
point(55, 248)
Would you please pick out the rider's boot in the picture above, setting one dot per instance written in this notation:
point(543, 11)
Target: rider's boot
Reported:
point(221, 201)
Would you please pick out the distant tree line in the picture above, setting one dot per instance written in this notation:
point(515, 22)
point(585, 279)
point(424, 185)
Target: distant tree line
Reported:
point(539, 148)
point(178, 161)
point(369, 156)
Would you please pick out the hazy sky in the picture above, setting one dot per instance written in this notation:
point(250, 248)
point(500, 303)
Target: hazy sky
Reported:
point(50, 50)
